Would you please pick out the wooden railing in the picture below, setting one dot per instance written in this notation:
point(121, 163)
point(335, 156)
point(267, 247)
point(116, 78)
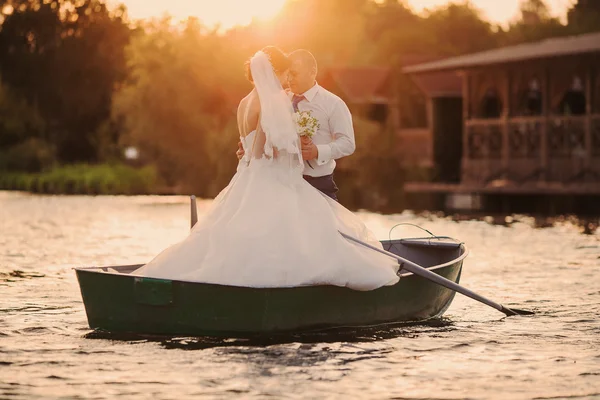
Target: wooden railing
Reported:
point(484, 138)
point(525, 138)
point(595, 138)
point(551, 148)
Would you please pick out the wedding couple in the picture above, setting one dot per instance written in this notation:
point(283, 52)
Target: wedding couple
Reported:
point(277, 223)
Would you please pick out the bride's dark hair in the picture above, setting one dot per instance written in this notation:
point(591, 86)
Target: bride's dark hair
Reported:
point(279, 61)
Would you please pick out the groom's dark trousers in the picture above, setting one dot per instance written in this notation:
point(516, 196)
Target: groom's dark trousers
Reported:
point(325, 184)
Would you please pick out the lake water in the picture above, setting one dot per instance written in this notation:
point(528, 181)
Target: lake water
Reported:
point(47, 351)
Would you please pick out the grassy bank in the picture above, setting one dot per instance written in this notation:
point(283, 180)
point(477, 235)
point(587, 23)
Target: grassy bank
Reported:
point(83, 179)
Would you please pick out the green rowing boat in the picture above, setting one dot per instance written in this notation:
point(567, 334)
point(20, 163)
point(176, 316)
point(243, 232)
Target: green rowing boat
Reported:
point(117, 300)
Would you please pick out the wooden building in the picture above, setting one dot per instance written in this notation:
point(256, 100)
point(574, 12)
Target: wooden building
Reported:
point(424, 142)
point(412, 108)
point(368, 91)
point(531, 120)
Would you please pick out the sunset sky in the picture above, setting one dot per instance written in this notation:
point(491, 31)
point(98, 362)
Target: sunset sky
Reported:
point(238, 12)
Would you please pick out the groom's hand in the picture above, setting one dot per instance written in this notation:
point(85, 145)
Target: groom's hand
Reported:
point(240, 153)
point(309, 149)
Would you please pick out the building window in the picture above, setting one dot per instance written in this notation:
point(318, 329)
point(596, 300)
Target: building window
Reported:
point(530, 101)
point(491, 104)
point(573, 101)
point(378, 113)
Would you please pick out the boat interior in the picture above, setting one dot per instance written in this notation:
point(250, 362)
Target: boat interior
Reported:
point(431, 252)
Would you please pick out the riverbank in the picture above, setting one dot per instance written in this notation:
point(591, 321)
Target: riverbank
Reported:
point(84, 179)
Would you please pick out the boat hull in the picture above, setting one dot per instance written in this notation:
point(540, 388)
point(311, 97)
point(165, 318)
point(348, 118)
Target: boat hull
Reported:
point(122, 302)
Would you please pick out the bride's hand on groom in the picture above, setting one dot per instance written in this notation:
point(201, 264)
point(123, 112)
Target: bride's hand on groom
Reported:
point(309, 149)
point(240, 152)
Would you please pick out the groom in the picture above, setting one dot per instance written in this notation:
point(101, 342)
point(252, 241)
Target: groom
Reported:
point(335, 137)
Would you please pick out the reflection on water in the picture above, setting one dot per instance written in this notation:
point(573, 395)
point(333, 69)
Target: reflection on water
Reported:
point(546, 265)
point(347, 335)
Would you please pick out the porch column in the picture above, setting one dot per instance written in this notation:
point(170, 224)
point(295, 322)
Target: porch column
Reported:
point(505, 125)
point(466, 95)
point(589, 76)
point(394, 104)
point(431, 157)
point(545, 86)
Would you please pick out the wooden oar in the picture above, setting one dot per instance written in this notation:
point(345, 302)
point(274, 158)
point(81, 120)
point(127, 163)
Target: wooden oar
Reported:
point(440, 280)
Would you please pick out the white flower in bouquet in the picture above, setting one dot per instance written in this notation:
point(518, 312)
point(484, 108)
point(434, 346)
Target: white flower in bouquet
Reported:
point(306, 124)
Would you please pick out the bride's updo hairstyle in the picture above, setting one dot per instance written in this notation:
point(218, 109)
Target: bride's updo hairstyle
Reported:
point(279, 61)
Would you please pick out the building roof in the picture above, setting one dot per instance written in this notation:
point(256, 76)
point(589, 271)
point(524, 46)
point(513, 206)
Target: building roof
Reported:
point(372, 85)
point(439, 84)
point(581, 44)
point(360, 84)
point(434, 84)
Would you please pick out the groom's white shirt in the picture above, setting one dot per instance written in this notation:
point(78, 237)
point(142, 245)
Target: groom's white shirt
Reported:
point(335, 137)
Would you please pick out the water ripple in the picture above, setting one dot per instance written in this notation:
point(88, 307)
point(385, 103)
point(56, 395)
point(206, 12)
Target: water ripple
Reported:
point(48, 351)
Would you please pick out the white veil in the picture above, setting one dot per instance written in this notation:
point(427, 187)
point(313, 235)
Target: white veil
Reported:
point(276, 109)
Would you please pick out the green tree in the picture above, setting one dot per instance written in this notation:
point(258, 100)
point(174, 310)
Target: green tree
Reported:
point(18, 120)
point(535, 23)
point(584, 16)
point(396, 30)
point(177, 108)
point(458, 28)
point(23, 142)
point(333, 30)
point(534, 12)
point(65, 57)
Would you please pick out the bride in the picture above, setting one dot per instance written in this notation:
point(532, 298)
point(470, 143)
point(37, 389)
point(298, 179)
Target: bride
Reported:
point(269, 227)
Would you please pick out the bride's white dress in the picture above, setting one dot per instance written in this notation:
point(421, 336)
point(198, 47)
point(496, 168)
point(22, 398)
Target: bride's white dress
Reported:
point(270, 228)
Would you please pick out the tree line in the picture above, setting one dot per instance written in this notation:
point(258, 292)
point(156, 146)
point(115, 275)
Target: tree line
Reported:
point(80, 81)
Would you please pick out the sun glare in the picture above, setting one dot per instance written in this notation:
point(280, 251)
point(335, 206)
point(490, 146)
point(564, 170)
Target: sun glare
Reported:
point(226, 13)
point(229, 13)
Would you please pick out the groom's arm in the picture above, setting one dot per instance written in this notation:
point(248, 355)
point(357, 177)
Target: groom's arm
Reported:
point(342, 130)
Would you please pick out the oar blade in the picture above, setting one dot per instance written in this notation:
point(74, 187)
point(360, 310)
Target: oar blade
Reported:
point(515, 311)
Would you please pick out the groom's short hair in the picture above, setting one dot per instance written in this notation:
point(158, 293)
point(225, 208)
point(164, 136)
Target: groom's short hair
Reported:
point(306, 57)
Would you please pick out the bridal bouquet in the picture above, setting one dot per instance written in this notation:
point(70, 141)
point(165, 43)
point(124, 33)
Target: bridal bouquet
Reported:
point(306, 124)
